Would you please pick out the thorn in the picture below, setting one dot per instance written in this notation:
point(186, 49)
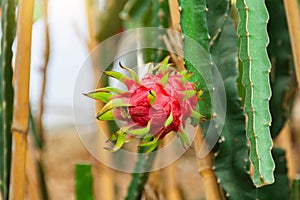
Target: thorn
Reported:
point(214, 115)
point(180, 9)
point(247, 34)
point(254, 135)
point(261, 177)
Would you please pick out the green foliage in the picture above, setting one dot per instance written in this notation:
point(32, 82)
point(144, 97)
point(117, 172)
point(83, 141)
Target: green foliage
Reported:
point(38, 10)
point(194, 25)
point(106, 18)
point(256, 68)
point(296, 188)
point(84, 182)
point(280, 55)
point(160, 19)
point(144, 164)
point(39, 144)
point(37, 139)
point(136, 14)
point(280, 188)
point(6, 92)
point(153, 13)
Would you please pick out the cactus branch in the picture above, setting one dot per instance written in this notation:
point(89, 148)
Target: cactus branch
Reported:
point(144, 164)
point(253, 41)
point(6, 93)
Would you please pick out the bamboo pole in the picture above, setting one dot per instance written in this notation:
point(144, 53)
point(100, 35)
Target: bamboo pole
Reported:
point(293, 20)
point(21, 101)
point(206, 171)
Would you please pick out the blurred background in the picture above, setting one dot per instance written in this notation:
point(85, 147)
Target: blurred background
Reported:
point(71, 26)
point(64, 32)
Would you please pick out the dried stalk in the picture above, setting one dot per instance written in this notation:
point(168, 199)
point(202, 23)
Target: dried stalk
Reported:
point(44, 73)
point(293, 20)
point(92, 43)
point(21, 101)
point(162, 184)
point(284, 141)
point(33, 183)
point(170, 181)
point(103, 176)
point(206, 171)
point(174, 15)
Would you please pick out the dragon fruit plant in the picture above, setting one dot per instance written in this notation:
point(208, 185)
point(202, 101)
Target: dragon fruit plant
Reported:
point(152, 107)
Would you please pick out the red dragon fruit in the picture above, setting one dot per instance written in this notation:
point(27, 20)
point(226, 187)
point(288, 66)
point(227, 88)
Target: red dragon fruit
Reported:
point(153, 107)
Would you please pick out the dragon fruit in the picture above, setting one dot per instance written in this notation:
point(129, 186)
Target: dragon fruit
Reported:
point(151, 108)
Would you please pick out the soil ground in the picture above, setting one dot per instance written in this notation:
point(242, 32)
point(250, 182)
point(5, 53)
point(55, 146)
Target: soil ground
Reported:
point(64, 149)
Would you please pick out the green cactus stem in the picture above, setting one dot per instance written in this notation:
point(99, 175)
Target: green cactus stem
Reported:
point(6, 92)
point(254, 39)
point(194, 25)
point(83, 181)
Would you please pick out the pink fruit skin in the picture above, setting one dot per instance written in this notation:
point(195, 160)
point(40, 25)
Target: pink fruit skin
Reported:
point(169, 99)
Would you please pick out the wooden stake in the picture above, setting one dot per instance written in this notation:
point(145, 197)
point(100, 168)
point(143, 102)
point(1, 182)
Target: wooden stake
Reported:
point(21, 101)
point(206, 171)
point(293, 20)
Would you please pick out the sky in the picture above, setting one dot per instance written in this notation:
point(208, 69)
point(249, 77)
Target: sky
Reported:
point(68, 51)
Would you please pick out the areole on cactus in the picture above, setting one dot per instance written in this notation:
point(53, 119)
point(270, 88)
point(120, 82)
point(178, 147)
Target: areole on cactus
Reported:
point(152, 107)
